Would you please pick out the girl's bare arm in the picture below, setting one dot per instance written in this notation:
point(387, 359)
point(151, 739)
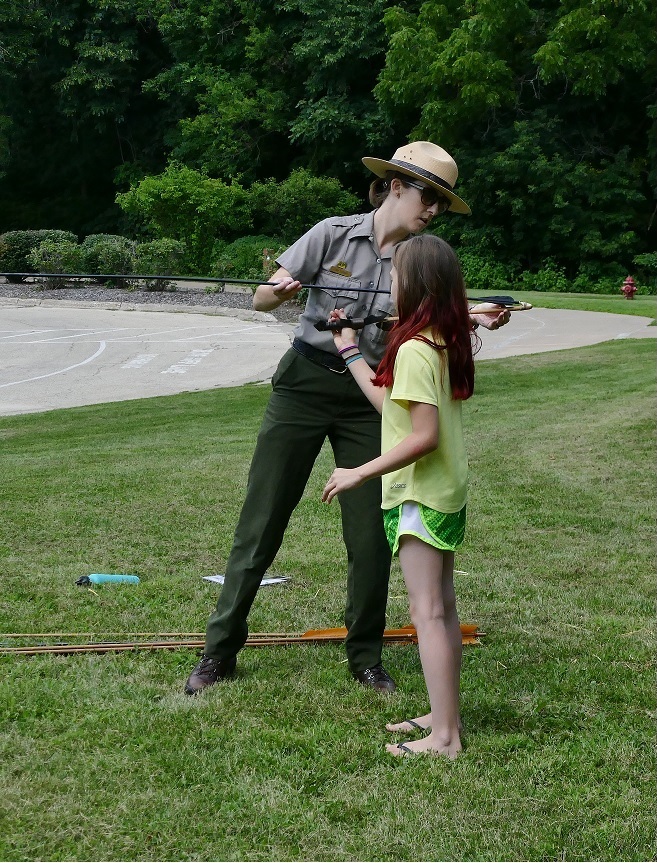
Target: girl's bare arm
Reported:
point(362, 373)
point(422, 440)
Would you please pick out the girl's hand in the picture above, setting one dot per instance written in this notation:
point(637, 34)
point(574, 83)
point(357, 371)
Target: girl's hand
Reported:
point(342, 479)
point(490, 315)
point(346, 336)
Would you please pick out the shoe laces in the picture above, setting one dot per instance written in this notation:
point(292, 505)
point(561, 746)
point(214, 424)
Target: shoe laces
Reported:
point(378, 672)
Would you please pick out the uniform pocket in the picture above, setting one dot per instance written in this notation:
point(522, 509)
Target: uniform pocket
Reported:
point(335, 292)
point(283, 368)
point(378, 335)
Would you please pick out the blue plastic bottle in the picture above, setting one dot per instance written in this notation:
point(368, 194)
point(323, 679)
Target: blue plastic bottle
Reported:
point(102, 578)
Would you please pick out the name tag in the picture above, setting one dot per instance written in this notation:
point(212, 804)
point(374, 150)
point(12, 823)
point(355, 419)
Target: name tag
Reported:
point(340, 269)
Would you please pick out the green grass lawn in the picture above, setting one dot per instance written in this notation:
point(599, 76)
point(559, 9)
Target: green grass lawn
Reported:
point(104, 757)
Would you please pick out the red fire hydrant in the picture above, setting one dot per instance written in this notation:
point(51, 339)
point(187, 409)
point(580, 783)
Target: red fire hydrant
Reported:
point(629, 288)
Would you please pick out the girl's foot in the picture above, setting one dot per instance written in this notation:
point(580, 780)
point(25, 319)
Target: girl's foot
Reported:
point(421, 723)
point(428, 746)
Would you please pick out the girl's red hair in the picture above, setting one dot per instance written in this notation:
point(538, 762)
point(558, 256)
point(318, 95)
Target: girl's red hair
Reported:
point(431, 295)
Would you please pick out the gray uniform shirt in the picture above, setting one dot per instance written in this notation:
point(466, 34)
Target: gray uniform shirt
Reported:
point(341, 254)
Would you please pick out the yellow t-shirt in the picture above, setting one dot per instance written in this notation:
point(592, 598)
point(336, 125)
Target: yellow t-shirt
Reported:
point(437, 480)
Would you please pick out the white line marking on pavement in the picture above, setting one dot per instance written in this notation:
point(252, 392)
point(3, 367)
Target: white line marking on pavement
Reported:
point(184, 364)
point(28, 333)
point(147, 334)
point(258, 327)
point(83, 335)
point(139, 361)
point(516, 337)
point(102, 347)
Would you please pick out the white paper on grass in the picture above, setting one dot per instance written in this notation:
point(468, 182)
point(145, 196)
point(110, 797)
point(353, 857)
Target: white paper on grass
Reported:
point(270, 579)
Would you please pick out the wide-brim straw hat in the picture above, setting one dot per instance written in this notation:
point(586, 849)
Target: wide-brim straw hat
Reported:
point(426, 162)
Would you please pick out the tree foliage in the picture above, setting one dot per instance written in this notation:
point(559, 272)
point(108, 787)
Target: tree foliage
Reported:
point(549, 109)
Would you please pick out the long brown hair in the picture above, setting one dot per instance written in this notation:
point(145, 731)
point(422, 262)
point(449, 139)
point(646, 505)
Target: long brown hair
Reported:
point(431, 295)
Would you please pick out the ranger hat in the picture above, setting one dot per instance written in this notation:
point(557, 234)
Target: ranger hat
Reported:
point(426, 162)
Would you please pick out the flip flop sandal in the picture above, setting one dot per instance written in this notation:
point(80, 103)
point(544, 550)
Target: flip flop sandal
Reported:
point(413, 724)
point(404, 748)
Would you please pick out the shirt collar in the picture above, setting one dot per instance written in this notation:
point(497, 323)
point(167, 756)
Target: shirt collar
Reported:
point(366, 229)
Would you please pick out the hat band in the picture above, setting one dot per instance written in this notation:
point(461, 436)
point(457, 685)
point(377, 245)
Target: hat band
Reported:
point(427, 174)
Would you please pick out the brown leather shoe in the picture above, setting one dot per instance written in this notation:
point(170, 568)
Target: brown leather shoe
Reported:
point(377, 678)
point(208, 672)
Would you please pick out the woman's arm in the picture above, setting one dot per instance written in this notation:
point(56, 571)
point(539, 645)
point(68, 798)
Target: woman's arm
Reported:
point(422, 440)
point(269, 297)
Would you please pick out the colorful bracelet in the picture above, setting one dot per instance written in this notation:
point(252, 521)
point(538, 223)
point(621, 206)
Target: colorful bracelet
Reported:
point(348, 348)
point(351, 359)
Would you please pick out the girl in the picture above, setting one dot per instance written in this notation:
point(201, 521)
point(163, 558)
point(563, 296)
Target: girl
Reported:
point(425, 374)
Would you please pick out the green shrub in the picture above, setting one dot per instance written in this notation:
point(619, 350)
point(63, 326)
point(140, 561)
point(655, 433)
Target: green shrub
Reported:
point(15, 247)
point(484, 274)
point(189, 206)
point(288, 209)
point(646, 274)
point(108, 254)
point(584, 284)
point(163, 257)
point(56, 256)
point(551, 277)
point(246, 258)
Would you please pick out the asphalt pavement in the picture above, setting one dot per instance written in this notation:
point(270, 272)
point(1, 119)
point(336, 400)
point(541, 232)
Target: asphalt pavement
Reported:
point(58, 355)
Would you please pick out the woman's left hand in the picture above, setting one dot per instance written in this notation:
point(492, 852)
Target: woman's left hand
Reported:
point(490, 315)
point(342, 479)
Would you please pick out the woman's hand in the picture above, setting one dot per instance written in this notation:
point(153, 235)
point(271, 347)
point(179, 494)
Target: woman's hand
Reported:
point(268, 297)
point(342, 479)
point(346, 336)
point(490, 315)
point(287, 288)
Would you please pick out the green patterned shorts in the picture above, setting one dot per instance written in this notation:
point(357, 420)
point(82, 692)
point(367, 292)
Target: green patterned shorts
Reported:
point(442, 530)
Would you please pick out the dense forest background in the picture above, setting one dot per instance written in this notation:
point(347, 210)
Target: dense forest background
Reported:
point(219, 120)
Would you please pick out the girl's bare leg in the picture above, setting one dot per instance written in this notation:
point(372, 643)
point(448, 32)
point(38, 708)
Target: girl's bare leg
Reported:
point(429, 577)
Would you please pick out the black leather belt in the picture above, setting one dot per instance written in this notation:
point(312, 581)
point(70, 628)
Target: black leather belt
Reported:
point(320, 358)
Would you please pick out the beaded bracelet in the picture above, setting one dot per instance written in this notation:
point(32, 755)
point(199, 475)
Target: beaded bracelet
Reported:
point(348, 348)
point(351, 359)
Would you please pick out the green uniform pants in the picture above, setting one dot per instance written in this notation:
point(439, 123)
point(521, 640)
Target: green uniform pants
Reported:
point(309, 404)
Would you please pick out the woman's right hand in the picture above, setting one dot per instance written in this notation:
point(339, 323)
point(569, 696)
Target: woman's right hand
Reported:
point(268, 297)
point(346, 336)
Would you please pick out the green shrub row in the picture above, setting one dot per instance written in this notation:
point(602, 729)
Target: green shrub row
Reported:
point(253, 257)
point(99, 254)
point(110, 254)
point(481, 273)
point(15, 246)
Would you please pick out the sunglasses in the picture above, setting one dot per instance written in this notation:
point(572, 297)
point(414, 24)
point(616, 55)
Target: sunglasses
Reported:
point(430, 196)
